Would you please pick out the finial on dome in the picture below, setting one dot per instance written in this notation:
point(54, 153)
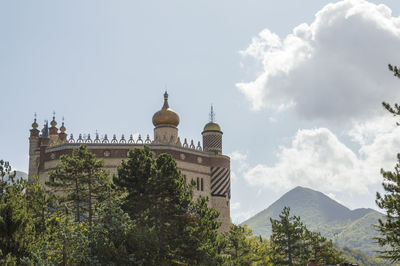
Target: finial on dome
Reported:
point(166, 105)
point(212, 114)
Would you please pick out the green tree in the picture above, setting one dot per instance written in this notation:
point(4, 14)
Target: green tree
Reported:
point(40, 205)
point(242, 248)
point(64, 242)
point(161, 205)
point(293, 244)
point(320, 249)
point(286, 239)
point(395, 110)
point(17, 236)
point(389, 227)
point(202, 245)
point(78, 182)
point(115, 240)
point(134, 179)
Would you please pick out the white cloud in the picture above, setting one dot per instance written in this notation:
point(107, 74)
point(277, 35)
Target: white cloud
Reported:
point(237, 156)
point(334, 197)
point(239, 162)
point(239, 216)
point(333, 69)
point(317, 159)
point(235, 206)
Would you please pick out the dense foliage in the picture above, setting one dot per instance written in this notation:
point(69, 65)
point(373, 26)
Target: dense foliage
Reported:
point(146, 215)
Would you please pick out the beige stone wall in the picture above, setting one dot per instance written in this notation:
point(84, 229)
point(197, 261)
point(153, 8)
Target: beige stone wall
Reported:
point(166, 135)
point(34, 156)
point(222, 204)
point(192, 163)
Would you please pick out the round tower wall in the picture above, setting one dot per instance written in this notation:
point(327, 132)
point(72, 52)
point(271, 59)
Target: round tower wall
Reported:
point(165, 135)
point(212, 141)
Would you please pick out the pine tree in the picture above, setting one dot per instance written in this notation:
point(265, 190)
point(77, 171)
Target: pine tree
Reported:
point(286, 239)
point(134, 179)
point(389, 227)
point(161, 205)
point(78, 182)
point(320, 249)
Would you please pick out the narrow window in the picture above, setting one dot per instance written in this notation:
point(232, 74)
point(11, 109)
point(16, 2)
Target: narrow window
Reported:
point(184, 177)
point(202, 185)
point(198, 184)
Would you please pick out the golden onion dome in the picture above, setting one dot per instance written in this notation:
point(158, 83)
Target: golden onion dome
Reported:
point(212, 126)
point(53, 122)
point(62, 128)
point(166, 116)
point(35, 124)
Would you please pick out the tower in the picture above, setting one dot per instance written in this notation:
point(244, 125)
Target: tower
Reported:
point(62, 136)
point(53, 130)
point(34, 149)
point(166, 123)
point(212, 135)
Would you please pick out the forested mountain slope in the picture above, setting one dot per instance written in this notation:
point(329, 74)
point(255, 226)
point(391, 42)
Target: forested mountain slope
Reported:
point(352, 228)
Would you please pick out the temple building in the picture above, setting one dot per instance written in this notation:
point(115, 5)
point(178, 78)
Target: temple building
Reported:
point(205, 164)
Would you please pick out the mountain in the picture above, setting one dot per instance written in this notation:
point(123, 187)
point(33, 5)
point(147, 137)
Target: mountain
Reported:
point(18, 174)
point(351, 228)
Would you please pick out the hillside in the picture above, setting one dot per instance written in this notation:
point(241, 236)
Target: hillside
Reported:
point(18, 174)
point(352, 228)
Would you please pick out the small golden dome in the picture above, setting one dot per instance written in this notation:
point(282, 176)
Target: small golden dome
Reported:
point(62, 128)
point(166, 116)
point(53, 122)
point(212, 126)
point(35, 124)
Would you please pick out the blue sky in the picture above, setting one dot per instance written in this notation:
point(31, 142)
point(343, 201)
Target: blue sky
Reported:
point(104, 65)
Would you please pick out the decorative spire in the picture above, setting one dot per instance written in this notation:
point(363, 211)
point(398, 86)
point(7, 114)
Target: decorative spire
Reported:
point(165, 106)
point(212, 114)
point(212, 125)
point(53, 122)
point(35, 124)
point(62, 128)
point(45, 130)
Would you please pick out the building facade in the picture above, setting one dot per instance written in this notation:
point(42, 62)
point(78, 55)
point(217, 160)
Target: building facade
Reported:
point(205, 164)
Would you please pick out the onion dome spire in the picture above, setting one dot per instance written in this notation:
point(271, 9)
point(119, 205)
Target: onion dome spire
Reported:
point(53, 129)
point(62, 128)
point(34, 131)
point(212, 126)
point(53, 122)
point(212, 135)
point(35, 124)
point(62, 135)
point(166, 116)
